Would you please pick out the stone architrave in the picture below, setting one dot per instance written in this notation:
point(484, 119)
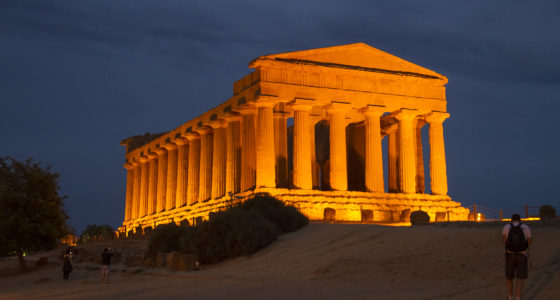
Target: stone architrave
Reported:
point(194, 167)
point(218, 158)
point(129, 189)
point(302, 176)
point(182, 170)
point(407, 155)
point(162, 179)
point(205, 177)
point(373, 153)
point(438, 168)
point(152, 183)
point(233, 154)
point(281, 148)
point(248, 157)
point(338, 176)
point(265, 160)
point(136, 192)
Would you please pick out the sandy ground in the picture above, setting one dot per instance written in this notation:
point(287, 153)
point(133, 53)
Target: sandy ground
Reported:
point(323, 261)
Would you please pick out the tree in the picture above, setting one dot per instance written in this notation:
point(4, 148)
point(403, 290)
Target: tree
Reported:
point(96, 232)
point(32, 215)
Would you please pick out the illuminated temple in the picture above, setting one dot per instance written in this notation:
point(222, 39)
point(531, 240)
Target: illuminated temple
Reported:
point(307, 127)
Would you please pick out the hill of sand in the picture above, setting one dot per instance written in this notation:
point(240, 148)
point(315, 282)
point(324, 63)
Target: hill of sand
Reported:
point(321, 261)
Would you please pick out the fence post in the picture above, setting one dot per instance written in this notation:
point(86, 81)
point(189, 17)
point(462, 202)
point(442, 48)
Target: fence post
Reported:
point(501, 215)
point(475, 213)
point(526, 211)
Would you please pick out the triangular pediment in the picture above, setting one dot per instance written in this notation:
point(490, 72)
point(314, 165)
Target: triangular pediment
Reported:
point(354, 55)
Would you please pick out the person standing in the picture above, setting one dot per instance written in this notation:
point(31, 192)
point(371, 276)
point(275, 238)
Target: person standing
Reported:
point(516, 237)
point(106, 265)
point(66, 265)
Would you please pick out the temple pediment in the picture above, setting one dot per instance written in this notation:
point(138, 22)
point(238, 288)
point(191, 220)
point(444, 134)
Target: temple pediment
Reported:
point(359, 56)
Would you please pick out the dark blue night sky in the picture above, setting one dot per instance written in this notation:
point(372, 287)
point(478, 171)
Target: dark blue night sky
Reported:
point(76, 77)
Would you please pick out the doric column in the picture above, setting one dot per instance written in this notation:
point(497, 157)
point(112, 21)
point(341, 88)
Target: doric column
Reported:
point(233, 153)
point(171, 175)
point(373, 154)
point(417, 128)
point(194, 167)
point(248, 155)
point(302, 176)
point(315, 180)
point(182, 170)
point(281, 148)
point(129, 189)
point(135, 203)
point(265, 160)
point(438, 168)
point(205, 177)
point(218, 159)
point(152, 184)
point(143, 205)
point(407, 155)
point(162, 179)
point(393, 161)
point(338, 161)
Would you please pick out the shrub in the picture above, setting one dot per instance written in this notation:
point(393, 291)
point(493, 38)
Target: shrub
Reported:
point(547, 212)
point(165, 238)
point(286, 217)
point(96, 232)
point(419, 217)
point(240, 230)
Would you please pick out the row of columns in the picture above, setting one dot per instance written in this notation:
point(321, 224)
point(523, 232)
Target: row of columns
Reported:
point(249, 149)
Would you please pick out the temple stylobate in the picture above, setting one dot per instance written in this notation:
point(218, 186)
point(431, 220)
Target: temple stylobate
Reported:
point(307, 127)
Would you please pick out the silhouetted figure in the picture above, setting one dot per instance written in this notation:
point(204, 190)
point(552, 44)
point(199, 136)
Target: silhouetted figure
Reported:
point(516, 236)
point(66, 265)
point(106, 264)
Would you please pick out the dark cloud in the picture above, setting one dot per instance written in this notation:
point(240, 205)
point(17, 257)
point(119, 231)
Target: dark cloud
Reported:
point(78, 76)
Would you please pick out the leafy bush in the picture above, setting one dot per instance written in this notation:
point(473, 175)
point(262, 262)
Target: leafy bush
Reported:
point(165, 238)
point(547, 212)
point(240, 230)
point(96, 232)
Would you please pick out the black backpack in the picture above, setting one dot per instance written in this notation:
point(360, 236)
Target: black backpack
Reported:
point(516, 241)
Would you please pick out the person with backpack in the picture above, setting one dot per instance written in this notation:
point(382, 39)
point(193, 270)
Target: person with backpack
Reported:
point(516, 236)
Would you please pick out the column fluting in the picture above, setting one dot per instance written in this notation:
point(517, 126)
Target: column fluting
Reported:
point(438, 167)
point(302, 176)
point(265, 160)
point(373, 152)
point(153, 182)
point(182, 171)
point(248, 155)
point(136, 193)
point(129, 189)
point(162, 179)
point(205, 177)
point(338, 160)
point(281, 148)
point(233, 154)
point(219, 152)
point(194, 168)
point(407, 155)
point(171, 175)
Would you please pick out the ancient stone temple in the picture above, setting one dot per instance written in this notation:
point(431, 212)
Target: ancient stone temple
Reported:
point(307, 127)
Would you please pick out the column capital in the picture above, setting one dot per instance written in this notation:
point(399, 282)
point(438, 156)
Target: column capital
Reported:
point(169, 145)
point(405, 114)
point(247, 109)
point(129, 166)
point(436, 117)
point(232, 117)
point(192, 135)
point(151, 155)
point(160, 150)
point(143, 159)
point(338, 107)
point(179, 141)
point(218, 123)
point(301, 104)
point(265, 101)
point(373, 110)
point(203, 130)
